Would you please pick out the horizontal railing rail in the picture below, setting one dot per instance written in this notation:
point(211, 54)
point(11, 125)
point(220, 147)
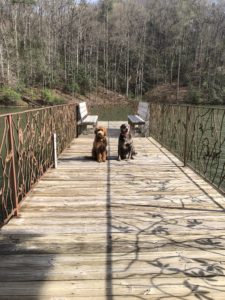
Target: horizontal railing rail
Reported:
point(195, 134)
point(26, 150)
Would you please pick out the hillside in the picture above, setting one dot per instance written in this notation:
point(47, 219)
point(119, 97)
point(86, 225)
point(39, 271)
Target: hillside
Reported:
point(40, 97)
point(166, 93)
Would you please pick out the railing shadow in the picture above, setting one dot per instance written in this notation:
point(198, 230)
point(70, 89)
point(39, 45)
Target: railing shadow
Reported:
point(158, 261)
point(109, 268)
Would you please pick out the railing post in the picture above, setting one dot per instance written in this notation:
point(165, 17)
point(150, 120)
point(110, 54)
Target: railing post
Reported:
point(186, 136)
point(55, 150)
point(13, 168)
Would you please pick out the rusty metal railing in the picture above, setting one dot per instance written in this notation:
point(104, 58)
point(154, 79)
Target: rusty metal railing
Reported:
point(26, 150)
point(196, 135)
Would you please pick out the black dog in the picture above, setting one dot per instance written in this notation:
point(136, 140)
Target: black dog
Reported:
point(125, 143)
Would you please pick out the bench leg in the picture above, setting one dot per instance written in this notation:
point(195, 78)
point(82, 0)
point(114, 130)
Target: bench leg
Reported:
point(95, 126)
point(84, 129)
point(145, 130)
point(132, 129)
point(139, 129)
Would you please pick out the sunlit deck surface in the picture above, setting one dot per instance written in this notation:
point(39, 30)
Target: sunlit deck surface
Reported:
point(141, 229)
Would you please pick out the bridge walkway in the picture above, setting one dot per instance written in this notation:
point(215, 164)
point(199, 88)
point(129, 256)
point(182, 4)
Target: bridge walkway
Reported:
point(141, 229)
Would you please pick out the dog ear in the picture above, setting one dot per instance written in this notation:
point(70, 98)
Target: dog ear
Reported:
point(96, 130)
point(105, 131)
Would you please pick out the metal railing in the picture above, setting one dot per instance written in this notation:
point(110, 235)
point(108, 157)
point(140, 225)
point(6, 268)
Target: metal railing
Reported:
point(196, 135)
point(26, 150)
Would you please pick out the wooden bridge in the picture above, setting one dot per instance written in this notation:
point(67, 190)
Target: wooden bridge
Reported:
point(141, 229)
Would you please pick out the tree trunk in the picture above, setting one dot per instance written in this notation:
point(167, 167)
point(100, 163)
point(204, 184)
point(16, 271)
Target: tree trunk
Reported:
point(1, 64)
point(16, 43)
point(178, 73)
point(128, 69)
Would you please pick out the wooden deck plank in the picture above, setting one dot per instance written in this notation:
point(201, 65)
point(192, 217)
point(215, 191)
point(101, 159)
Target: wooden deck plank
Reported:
point(141, 229)
point(152, 286)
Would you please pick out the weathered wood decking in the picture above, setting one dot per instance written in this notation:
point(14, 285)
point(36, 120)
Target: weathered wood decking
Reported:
point(142, 229)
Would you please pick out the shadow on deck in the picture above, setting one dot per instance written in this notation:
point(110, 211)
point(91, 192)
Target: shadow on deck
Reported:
point(142, 229)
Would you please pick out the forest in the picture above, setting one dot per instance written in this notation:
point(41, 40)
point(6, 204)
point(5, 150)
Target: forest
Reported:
point(126, 46)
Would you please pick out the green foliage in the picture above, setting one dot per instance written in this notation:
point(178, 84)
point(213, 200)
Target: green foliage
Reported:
point(72, 88)
point(51, 98)
point(83, 81)
point(131, 95)
point(216, 96)
point(28, 2)
point(194, 95)
point(20, 88)
point(9, 96)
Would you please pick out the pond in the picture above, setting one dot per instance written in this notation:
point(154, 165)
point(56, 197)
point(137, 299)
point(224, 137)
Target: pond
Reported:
point(113, 113)
point(105, 113)
point(12, 109)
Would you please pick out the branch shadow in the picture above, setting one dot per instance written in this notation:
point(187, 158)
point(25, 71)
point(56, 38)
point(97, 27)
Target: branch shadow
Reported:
point(160, 148)
point(190, 259)
point(158, 261)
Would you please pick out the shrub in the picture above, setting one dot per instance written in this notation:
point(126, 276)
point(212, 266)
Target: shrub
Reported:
point(215, 97)
point(72, 88)
point(194, 96)
point(50, 97)
point(8, 96)
point(84, 82)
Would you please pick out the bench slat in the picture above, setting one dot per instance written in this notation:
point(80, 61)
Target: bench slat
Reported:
point(83, 110)
point(135, 119)
point(142, 114)
point(90, 120)
point(143, 110)
point(86, 119)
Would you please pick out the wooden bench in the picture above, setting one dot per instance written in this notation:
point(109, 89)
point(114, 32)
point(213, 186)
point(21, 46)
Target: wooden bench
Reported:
point(84, 119)
point(141, 120)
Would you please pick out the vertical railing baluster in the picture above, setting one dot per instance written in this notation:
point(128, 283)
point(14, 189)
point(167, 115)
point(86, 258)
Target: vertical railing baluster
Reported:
point(185, 158)
point(149, 120)
point(54, 140)
point(163, 122)
point(13, 167)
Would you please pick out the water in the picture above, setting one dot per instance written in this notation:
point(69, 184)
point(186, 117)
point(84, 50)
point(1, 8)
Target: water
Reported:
point(113, 113)
point(108, 113)
point(8, 110)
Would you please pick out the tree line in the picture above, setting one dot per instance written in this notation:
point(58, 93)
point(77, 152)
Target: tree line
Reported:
point(128, 46)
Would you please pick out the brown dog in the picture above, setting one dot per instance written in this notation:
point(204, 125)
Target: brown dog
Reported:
point(99, 150)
